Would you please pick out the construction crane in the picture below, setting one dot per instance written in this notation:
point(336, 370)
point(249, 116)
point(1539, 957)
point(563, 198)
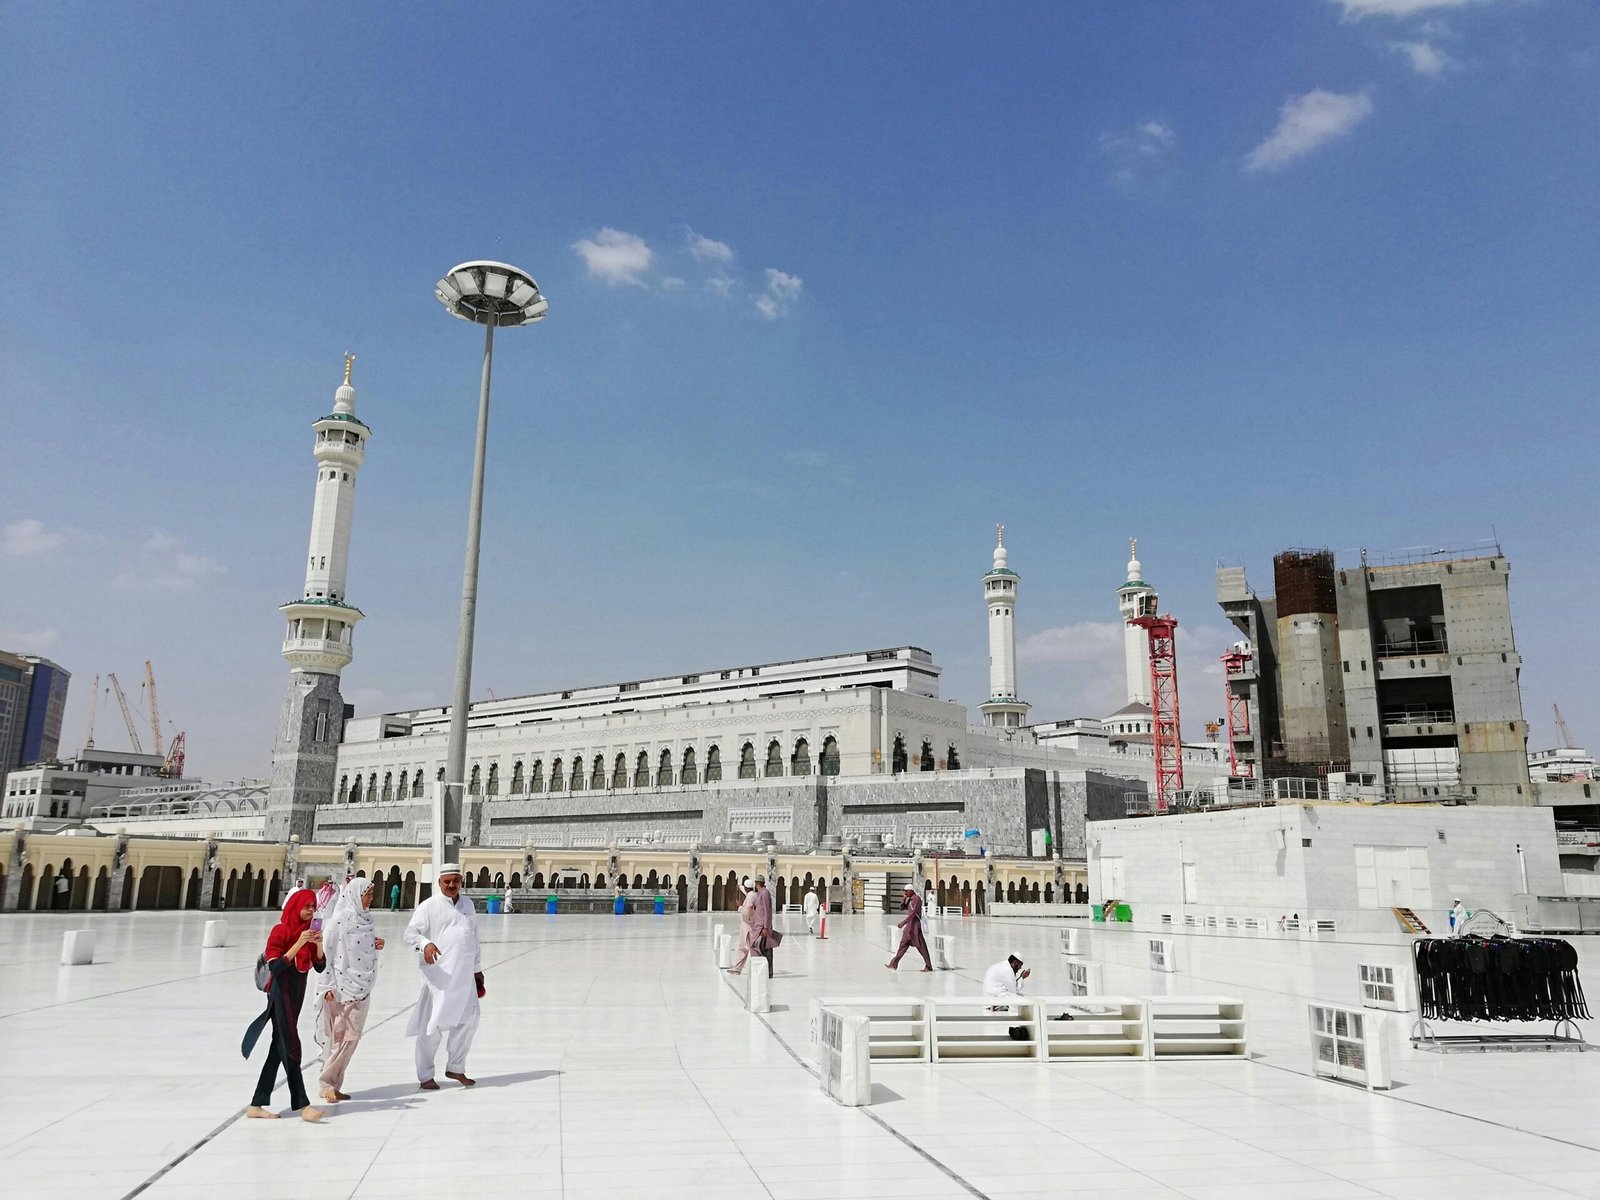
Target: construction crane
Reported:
point(155, 711)
point(1237, 662)
point(173, 767)
point(94, 708)
point(1168, 741)
point(127, 715)
point(1561, 724)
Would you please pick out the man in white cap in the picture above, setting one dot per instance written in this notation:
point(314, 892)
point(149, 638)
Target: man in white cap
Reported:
point(911, 937)
point(444, 931)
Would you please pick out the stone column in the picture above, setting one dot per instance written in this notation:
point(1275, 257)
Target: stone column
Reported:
point(350, 857)
point(208, 875)
point(291, 863)
point(847, 881)
point(14, 869)
point(119, 866)
point(694, 879)
point(919, 873)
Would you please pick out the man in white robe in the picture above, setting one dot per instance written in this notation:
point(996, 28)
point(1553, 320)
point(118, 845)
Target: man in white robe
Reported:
point(812, 908)
point(444, 931)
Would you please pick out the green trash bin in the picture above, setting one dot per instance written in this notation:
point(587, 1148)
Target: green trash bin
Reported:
point(550, 905)
point(1124, 913)
point(1098, 914)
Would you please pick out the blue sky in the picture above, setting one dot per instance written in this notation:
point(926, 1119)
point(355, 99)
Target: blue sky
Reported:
point(834, 289)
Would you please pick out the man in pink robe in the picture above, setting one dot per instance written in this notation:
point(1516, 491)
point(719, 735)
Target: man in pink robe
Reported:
point(911, 931)
point(755, 914)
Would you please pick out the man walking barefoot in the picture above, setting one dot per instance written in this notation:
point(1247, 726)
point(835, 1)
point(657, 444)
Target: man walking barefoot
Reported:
point(911, 931)
point(444, 931)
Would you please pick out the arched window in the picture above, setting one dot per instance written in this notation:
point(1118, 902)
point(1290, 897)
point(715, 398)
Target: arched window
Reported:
point(416, 785)
point(664, 769)
point(952, 759)
point(686, 773)
point(774, 764)
point(440, 777)
point(343, 793)
point(641, 770)
point(536, 776)
point(619, 771)
point(830, 755)
point(556, 778)
point(898, 763)
point(713, 765)
point(577, 772)
point(800, 761)
point(474, 781)
point(597, 775)
point(516, 778)
point(925, 759)
point(747, 761)
point(494, 780)
point(372, 786)
point(402, 792)
point(388, 786)
point(355, 791)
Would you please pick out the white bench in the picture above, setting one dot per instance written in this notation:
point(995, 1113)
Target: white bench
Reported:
point(978, 1028)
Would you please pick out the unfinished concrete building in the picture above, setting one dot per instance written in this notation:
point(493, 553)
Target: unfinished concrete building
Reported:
point(1397, 680)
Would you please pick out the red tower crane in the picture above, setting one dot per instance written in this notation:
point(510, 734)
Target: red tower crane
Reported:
point(1164, 704)
point(1234, 662)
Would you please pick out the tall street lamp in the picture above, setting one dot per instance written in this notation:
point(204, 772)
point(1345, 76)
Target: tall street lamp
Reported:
point(493, 295)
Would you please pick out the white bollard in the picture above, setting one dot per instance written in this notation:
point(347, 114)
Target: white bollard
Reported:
point(716, 940)
point(725, 952)
point(941, 952)
point(216, 935)
point(77, 948)
point(758, 996)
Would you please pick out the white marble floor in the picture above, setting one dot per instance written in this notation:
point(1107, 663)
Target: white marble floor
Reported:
point(614, 1062)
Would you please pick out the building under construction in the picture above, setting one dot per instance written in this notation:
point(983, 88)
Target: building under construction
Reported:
point(1398, 680)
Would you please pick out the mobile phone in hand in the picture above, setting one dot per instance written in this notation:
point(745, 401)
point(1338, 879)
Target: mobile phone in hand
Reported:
point(316, 924)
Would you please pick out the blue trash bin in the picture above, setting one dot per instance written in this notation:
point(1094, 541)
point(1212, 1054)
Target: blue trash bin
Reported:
point(550, 905)
point(492, 904)
point(660, 905)
point(620, 907)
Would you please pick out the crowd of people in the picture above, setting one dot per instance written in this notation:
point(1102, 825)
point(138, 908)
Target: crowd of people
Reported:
point(325, 946)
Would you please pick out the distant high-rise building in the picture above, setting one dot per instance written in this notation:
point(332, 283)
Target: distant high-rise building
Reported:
point(1401, 676)
point(33, 696)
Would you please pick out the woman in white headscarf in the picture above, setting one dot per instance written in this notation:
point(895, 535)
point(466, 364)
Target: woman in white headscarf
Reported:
point(351, 946)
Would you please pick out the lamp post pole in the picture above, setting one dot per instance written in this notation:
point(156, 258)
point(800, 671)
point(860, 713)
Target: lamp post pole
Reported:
point(489, 294)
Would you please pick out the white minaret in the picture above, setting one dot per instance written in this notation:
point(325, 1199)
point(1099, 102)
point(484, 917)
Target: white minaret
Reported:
point(1136, 598)
point(1002, 709)
point(321, 625)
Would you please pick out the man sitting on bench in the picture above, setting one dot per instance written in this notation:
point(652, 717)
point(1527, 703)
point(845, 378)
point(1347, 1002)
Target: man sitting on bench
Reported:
point(1002, 980)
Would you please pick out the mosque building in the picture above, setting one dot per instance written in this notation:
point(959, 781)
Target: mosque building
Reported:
point(851, 745)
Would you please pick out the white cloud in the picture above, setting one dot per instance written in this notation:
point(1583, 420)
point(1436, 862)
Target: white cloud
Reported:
point(29, 641)
point(1426, 58)
point(804, 458)
point(782, 289)
point(720, 284)
point(616, 257)
point(671, 283)
point(1307, 122)
point(162, 564)
point(1138, 153)
point(709, 250)
point(1354, 10)
point(28, 537)
point(1080, 642)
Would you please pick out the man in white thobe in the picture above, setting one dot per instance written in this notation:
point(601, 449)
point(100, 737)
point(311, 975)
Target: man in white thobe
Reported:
point(1004, 980)
point(444, 931)
point(811, 906)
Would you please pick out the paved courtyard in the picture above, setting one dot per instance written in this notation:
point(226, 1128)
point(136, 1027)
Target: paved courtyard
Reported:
point(614, 1062)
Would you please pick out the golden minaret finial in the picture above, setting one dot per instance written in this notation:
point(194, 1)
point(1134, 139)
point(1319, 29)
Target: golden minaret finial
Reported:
point(999, 536)
point(348, 359)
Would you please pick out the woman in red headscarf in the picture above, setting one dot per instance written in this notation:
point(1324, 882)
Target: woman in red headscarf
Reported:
point(293, 948)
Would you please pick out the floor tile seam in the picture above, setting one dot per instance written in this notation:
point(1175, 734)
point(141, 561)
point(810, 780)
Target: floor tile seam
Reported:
point(922, 1152)
point(726, 1132)
point(4, 1146)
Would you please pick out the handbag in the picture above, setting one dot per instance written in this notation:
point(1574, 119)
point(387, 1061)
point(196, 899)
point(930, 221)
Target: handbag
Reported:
point(771, 940)
point(263, 975)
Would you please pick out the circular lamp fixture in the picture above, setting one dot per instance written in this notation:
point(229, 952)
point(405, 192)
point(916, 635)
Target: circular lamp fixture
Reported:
point(491, 293)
